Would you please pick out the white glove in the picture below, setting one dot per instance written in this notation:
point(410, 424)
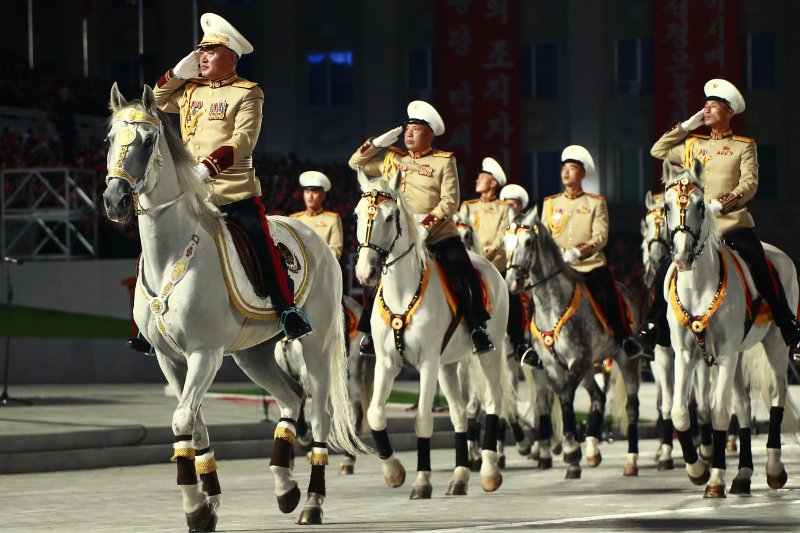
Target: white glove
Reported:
point(715, 206)
point(694, 122)
point(423, 231)
point(419, 217)
point(188, 67)
point(388, 138)
point(202, 173)
point(571, 255)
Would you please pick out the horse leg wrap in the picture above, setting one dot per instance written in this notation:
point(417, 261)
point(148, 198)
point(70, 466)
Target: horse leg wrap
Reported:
point(317, 482)
point(745, 452)
point(516, 429)
point(545, 428)
point(206, 467)
point(568, 415)
point(694, 423)
point(501, 431)
point(775, 420)
point(282, 453)
point(183, 455)
point(633, 438)
point(473, 429)
point(666, 432)
point(319, 454)
point(720, 440)
point(302, 426)
point(706, 436)
point(490, 435)
point(382, 443)
point(595, 423)
point(462, 454)
point(423, 454)
point(733, 427)
point(687, 446)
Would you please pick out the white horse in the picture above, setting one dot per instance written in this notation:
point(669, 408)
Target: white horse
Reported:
point(655, 255)
point(707, 289)
point(571, 338)
point(182, 307)
point(409, 324)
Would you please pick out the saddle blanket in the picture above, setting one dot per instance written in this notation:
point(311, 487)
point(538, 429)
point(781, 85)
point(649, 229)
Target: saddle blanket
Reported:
point(240, 289)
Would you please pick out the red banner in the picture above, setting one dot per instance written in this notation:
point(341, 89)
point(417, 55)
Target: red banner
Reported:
point(477, 50)
point(693, 42)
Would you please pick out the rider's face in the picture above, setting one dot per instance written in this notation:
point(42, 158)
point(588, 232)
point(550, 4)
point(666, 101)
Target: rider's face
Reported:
point(217, 62)
point(313, 199)
point(485, 183)
point(418, 137)
point(572, 174)
point(717, 115)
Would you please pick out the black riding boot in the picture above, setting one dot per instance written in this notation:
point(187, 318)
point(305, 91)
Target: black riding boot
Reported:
point(367, 347)
point(655, 329)
point(602, 287)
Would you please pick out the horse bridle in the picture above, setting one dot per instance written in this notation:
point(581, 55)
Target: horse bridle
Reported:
point(659, 217)
point(374, 199)
point(124, 138)
point(684, 188)
point(514, 229)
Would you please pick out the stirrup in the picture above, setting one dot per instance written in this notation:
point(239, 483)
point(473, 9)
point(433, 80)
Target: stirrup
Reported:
point(140, 344)
point(646, 339)
point(531, 358)
point(481, 342)
point(294, 323)
point(367, 346)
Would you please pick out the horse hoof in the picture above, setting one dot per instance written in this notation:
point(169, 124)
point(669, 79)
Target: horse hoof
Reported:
point(456, 488)
point(740, 486)
point(475, 465)
point(731, 446)
point(397, 480)
point(777, 482)
point(203, 519)
point(501, 461)
point(534, 456)
point(491, 483)
point(310, 516)
point(702, 478)
point(546, 463)
point(573, 457)
point(714, 491)
point(666, 464)
point(346, 470)
point(573, 472)
point(631, 470)
point(525, 451)
point(557, 449)
point(594, 461)
point(288, 502)
point(421, 492)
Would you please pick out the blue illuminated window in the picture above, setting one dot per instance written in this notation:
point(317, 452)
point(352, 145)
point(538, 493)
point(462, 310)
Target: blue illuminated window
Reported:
point(421, 74)
point(760, 61)
point(330, 79)
point(634, 66)
point(539, 71)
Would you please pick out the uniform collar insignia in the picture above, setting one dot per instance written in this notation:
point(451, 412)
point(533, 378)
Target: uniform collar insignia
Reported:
point(721, 135)
point(417, 155)
point(222, 82)
point(573, 196)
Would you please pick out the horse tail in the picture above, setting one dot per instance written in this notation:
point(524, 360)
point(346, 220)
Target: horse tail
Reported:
point(619, 398)
point(530, 413)
point(557, 418)
point(508, 405)
point(343, 435)
point(758, 376)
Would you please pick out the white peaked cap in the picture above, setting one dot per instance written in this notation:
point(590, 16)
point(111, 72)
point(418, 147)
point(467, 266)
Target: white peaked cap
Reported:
point(218, 31)
point(419, 110)
point(313, 178)
point(725, 90)
point(515, 192)
point(493, 167)
point(576, 152)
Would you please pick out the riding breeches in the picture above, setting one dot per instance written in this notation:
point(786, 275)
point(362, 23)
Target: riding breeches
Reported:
point(657, 313)
point(769, 286)
point(249, 214)
point(463, 277)
point(601, 285)
point(368, 301)
point(516, 321)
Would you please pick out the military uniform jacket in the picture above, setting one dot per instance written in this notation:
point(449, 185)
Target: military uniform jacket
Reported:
point(327, 225)
point(220, 121)
point(429, 183)
point(730, 165)
point(578, 222)
point(490, 222)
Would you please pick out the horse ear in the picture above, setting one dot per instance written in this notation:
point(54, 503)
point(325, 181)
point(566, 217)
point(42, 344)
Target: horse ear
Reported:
point(697, 168)
point(643, 227)
point(532, 216)
point(149, 99)
point(666, 172)
point(396, 180)
point(648, 200)
point(363, 180)
point(117, 101)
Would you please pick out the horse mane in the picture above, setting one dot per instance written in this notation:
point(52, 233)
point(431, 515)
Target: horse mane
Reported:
point(710, 220)
point(417, 244)
point(196, 193)
point(548, 246)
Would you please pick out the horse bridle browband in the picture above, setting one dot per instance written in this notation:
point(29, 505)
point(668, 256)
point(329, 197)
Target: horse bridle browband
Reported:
point(684, 188)
point(374, 199)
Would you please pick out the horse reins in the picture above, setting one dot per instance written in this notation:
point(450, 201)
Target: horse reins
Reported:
point(514, 229)
point(374, 199)
point(684, 188)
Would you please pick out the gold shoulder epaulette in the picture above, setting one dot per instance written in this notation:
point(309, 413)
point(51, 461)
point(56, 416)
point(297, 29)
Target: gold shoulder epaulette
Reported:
point(700, 136)
point(595, 196)
point(199, 81)
point(552, 196)
point(297, 215)
point(472, 201)
point(441, 153)
point(332, 213)
point(244, 84)
point(397, 150)
point(742, 139)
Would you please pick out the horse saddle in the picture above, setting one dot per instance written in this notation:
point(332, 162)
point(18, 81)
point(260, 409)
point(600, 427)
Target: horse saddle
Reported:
point(458, 298)
point(244, 275)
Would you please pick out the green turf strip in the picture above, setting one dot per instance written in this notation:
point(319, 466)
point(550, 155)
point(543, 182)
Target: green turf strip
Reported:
point(33, 322)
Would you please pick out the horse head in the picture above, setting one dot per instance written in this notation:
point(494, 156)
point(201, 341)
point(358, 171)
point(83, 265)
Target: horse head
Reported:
point(655, 248)
point(382, 221)
point(688, 223)
point(133, 148)
point(466, 232)
point(521, 246)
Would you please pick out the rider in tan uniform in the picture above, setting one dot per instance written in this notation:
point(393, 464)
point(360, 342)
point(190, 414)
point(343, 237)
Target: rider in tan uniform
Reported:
point(730, 177)
point(220, 119)
point(326, 224)
point(578, 222)
point(430, 188)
